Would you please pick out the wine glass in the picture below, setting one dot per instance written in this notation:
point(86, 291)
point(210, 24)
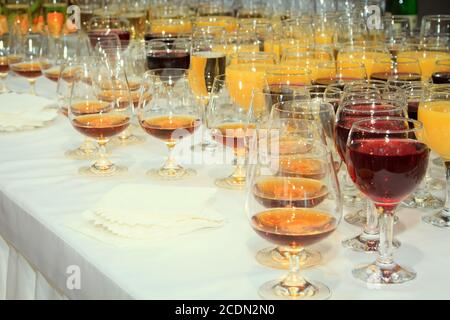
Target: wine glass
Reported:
point(348, 113)
point(96, 118)
point(5, 43)
point(397, 29)
point(441, 72)
point(103, 26)
point(292, 211)
point(169, 111)
point(286, 79)
point(434, 113)
point(208, 60)
point(437, 28)
point(402, 68)
point(62, 49)
point(126, 86)
point(19, 18)
point(87, 150)
point(174, 54)
point(230, 125)
point(387, 164)
point(340, 74)
point(29, 66)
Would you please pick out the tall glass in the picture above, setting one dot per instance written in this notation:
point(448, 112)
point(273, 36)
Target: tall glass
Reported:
point(435, 115)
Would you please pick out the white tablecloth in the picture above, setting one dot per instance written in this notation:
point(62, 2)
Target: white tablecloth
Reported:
point(40, 189)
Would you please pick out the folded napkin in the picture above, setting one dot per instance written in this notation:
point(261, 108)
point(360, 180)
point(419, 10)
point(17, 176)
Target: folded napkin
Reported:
point(134, 213)
point(24, 112)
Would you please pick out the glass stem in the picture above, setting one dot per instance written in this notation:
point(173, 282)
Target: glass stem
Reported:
point(294, 278)
point(170, 162)
point(371, 227)
point(446, 211)
point(239, 171)
point(386, 248)
point(102, 162)
point(32, 86)
point(87, 146)
point(3, 88)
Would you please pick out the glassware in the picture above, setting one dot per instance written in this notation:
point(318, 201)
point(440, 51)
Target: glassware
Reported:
point(340, 74)
point(19, 17)
point(434, 113)
point(87, 150)
point(441, 72)
point(96, 118)
point(60, 50)
point(55, 16)
point(161, 55)
point(137, 16)
point(101, 27)
point(169, 111)
point(386, 164)
point(230, 125)
point(397, 30)
point(29, 66)
point(427, 57)
point(286, 79)
point(436, 28)
point(167, 22)
point(5, 44)
point(402, 68)
point(348, 113)
point(208, 60)
point(281, 210)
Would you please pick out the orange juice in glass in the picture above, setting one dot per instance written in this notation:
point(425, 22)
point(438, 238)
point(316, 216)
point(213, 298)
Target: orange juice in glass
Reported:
point(168, 28)
point(367, 57)
point(243, 78)
point(228, 23)
point(427, 59)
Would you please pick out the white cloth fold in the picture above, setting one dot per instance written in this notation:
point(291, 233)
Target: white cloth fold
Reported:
point(138, 213)
point(24, 112)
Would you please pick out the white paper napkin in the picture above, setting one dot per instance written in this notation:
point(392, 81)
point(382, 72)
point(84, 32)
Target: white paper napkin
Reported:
point(24, 112)
point(135, 213)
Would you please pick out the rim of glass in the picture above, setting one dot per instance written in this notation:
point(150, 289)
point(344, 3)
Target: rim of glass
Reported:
point(358, 125)
point(347, 105)
point(305, 106)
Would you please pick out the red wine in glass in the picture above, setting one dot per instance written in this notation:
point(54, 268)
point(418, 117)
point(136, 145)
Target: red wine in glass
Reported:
point(413, 107)
point(354, 113)
point(384, 76)
point(338, 82)
point(164, 59)
point(441, 77)
point(387, 170)
point(96, 36)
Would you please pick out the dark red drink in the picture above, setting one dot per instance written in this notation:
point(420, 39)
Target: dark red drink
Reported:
point(105, 34)
point(168, 59)
point(441, 77)
point(338, 82)
point(384, 76)
point(413, 107)
point(387, 170)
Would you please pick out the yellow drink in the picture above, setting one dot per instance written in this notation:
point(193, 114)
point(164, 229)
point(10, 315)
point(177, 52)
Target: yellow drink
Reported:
point(367, 58)
point(228, 23)
point(171, 26)
point(242, 79)
point(272, 46)
point(204, 67)
point(427, 60)
point(435, 116)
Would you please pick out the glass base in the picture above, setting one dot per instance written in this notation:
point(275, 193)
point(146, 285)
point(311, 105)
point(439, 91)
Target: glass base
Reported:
point(438, 219)
point(359, 218)
point(366, 243)
point(232, 183)
point(274, 258)
point(424, 201)
point(277, 290)
point(93, 171)
point(128, 141)
point(81, 154)
point(171, 174)
point(379, 274)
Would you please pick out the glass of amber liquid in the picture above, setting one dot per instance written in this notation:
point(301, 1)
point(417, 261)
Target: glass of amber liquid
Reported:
point(288, 210)
point(96, 118)
point(29, 65)
point(169, 111)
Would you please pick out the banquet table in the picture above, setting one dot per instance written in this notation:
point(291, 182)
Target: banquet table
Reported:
point(40, 190)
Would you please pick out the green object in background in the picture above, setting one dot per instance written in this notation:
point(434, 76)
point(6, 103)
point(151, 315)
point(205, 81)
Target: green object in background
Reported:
point(406, 8)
